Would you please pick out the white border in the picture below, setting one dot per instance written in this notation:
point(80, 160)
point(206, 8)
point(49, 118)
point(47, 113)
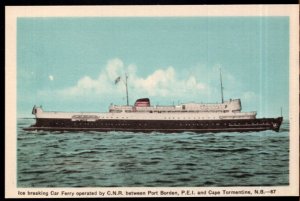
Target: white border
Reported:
point(13, 12)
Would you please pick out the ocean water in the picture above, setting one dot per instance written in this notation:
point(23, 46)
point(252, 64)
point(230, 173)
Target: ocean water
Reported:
point(125, 159)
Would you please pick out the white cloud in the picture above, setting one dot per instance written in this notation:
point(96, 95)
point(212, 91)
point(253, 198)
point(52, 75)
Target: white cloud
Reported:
point(249, 96)
point(192, 83)
point(158, 83)
point(164, 85)
point(114, 68)
point(51, 78)
point(162, 82)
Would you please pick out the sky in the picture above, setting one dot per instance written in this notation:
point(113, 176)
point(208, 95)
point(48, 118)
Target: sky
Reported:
point(70, 64)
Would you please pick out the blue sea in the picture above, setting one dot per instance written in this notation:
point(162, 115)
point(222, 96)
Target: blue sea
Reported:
point(125, 159)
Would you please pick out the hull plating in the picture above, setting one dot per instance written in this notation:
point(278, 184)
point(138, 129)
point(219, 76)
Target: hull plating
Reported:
point(198, 126)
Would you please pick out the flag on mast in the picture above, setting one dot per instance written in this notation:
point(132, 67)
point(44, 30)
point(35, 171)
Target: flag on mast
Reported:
point(118, 80)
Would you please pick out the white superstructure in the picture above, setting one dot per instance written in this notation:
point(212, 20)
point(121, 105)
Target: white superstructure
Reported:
point(144, 111)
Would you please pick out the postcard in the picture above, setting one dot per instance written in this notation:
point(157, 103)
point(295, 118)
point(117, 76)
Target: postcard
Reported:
point(151, 101)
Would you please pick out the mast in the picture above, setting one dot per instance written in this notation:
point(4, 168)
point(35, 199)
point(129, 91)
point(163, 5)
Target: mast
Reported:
point(221, 86)
point(126, 77)
point(125, 83)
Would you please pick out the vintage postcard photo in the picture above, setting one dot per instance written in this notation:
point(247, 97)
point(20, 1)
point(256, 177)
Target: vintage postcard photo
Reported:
point(152, 101)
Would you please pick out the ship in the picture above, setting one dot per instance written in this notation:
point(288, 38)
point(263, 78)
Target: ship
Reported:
point(142, 116)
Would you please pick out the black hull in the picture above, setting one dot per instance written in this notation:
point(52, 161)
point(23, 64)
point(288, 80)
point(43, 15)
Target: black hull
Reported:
point(165, 126)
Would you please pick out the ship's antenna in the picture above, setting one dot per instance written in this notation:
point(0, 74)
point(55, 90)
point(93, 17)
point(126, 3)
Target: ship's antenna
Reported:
point(221, 86)
point(126, 78)
point(280, 111)
point(126, 86)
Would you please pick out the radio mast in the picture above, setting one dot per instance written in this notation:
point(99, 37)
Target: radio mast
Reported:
point(126, 77)
point(125, 83)
point(221, 86)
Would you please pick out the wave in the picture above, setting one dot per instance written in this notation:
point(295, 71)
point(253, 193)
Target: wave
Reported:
point(68, 159)
point(36, 171)
point(85, 152)
point(152, 162)
point(284, 130)
point(70, 171)
point(227, 150)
